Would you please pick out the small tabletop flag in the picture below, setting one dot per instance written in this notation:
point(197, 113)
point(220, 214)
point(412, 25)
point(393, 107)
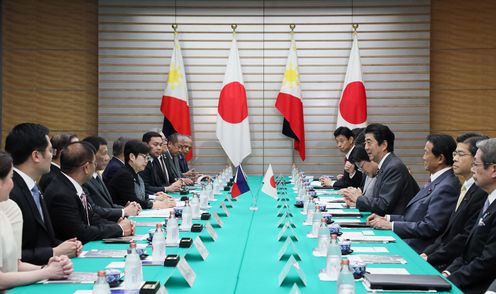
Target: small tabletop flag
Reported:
point(269, 183)
point(240, 185)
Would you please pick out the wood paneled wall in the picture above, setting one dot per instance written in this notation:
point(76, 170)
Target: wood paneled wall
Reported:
point(463, 66)
point(50, 64)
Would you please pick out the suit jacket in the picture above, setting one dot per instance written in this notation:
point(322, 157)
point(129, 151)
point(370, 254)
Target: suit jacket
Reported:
point(124, 188)
point(154, 178)
point(47, 178)
point(101, 201)
point(393, 189)
point(427, 214)
point(183, 163)
point(475, 269)
point(174, 173)
point(450, 244)
point(38, 237)
point(113, 165)
point(69, 216)
point(346, 180)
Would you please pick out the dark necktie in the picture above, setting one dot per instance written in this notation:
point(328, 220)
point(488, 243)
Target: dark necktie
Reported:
point(37, 199)
point(161, 161)
point(84, 201)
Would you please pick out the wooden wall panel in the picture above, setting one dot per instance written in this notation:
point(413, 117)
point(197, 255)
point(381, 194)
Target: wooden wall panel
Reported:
point(463, 67)
point(50, 65)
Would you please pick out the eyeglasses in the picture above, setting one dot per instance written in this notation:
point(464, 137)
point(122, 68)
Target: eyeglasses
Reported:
point(460, 154)
point(477, 164)
point(359, 166)
point(145, 156)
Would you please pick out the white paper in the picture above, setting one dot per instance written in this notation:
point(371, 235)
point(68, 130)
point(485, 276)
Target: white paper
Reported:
point(116, 264)
point(377, 259)
point(224, 208)
point(335, 205)
point(372, 239)
point(370, 250)
point(201, 248)
point(186, 271)
point(163, 213)
point(211, 231)
point(344, 220)
point(97, 253)
point(217, 219)
point(291, 264)
point(387, 271)
point(288, 243)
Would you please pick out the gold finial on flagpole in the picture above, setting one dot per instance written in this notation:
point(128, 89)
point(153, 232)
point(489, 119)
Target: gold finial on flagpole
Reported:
point(174, 27)
point(355, 27)
point(292, 27)
point(234, 27)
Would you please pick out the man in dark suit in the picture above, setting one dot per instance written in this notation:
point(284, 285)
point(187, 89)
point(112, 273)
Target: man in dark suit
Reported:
point(31, 151)
point(157, 175)
point(171, 158)
point(98, 195)
point(68, 206)
point(351, 177)
point(449, 245)
point(475, 269)
point(394, 186)
point(116, 162)
point(428, 212)
point(58, 141)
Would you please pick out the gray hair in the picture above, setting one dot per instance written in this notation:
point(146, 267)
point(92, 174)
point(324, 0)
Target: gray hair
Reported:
point(488, 150)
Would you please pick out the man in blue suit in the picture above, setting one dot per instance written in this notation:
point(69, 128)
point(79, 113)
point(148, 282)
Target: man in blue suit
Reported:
point(428, 212)
point(117, 160)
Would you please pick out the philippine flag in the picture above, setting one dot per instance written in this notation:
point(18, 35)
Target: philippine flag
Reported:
point(240, 185)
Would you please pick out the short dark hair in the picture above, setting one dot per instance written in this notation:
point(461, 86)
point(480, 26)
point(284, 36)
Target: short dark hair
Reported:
point(75, 155)
point(25, 138)
point(59, 141)
point(472, 143)
point(381, 133)
point(149, 135)
point(173, 138)
point(5, 164)
point(343, 131)
point(461, 138)
point(359, 154)
point(135, 147)
point(118, 146)
point(359, 135)
point(96, 142)
point(443, 144)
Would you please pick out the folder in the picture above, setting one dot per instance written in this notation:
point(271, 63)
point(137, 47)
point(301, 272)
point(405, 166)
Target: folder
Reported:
point(406, 282)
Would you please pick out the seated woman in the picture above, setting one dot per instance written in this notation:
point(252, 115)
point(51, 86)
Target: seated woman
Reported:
point(128, 186)
point(14, 272)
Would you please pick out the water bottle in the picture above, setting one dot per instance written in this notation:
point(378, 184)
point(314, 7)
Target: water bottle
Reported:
point(216, 186)
point(346, 282)
point(310, 211)
point(133, 272)
point(158, 245)
point(101, 286)
point(210, 191)
point(316, 220)
point(172, 229)
point(333, 262)
point(203, 198)
point(187, 217)
point(323, 242)
point(195, 207)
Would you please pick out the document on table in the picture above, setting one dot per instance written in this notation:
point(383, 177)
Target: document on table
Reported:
point(372, 239)
point(156, 213)
point(74, 278)
point(384, 259)
point(387, 271)
point(369, 249)
point(95, 253)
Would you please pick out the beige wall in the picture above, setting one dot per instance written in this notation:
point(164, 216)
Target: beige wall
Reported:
point(50, 64)
point(463, 66)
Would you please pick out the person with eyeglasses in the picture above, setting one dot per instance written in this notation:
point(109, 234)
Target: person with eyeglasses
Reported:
point(366, 167)
point(427, 213)
point(450, 243)
point(128, 186)
point(68, 203)
point(475, 269)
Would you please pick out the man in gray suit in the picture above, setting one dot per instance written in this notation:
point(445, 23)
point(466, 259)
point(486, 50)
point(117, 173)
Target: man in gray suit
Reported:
point(394, 186)
point(427, 214)
point(98, 195)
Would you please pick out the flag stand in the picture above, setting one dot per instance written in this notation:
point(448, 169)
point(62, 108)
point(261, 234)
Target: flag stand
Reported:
point(254, 206)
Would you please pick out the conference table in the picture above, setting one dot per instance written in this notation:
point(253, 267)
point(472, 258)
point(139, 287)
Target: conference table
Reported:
point(244, 258)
